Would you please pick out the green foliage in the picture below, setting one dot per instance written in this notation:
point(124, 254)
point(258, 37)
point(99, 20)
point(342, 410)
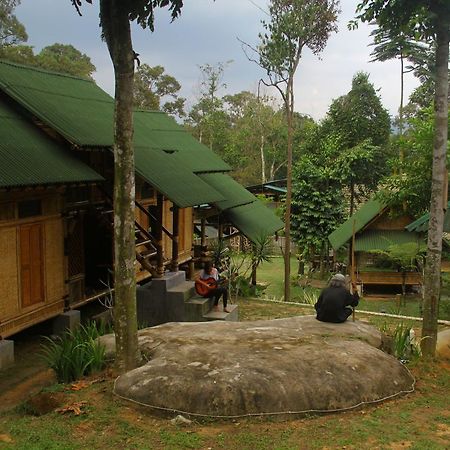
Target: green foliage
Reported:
point(404, 345)
point(403, 257)
point(410, 184)
point(22, 54)
point(359, 115)
point(57, 58)
point(261, 250)
point(292, 26)
point(11, 30)
point(75, 354)
point(66, 59)
point(317, 204)
point(152, 85)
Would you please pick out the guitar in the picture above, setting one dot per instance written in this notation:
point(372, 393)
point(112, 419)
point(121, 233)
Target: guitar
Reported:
point(204, 287)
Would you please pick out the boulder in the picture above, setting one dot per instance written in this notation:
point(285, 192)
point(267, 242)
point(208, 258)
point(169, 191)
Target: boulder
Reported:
point(263, 367)
point(443, 344)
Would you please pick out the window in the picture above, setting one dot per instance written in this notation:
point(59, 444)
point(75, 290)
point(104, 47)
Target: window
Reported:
point(29, 208)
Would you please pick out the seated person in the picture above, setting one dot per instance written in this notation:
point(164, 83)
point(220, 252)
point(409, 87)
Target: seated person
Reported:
point(335, 302)
point(207, 285)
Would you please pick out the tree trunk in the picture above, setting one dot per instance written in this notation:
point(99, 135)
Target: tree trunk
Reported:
point(287, 225)
point(438, 194)
point(263, 160)
point(116, 28)
point(400, 110)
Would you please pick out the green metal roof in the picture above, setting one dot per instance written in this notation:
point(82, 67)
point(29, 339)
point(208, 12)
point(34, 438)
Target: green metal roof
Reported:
point(176, 181)
point(233, 193)
point(157, 130)
point(382, 239)
point(254, 220)
point(421, 224)
point(28, 157)
point(83, 113)
point(77, 108)
point(355, 223)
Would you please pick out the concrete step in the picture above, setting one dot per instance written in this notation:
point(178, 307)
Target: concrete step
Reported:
point(232, 316)
point(184, 290)
point(196, 307)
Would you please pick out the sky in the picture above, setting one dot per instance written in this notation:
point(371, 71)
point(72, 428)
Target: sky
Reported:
point(208, 32)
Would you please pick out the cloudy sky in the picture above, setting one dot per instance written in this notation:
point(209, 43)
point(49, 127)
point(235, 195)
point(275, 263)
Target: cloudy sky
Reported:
point(208, 32)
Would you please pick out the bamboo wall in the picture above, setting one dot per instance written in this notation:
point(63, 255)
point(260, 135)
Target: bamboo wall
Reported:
point(32, 266)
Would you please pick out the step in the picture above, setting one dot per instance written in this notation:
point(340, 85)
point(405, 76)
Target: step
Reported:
point(196, 307)
point(232, 316)
point(170, 280)
point(185, 289)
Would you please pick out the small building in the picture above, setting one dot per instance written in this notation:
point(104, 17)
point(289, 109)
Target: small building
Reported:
point(56, 183)
point(373, 227)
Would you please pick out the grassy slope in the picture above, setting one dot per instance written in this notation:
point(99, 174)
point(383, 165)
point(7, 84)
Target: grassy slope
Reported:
point(417, 421)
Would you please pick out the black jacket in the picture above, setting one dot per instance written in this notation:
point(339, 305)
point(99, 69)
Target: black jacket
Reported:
point(332, 302)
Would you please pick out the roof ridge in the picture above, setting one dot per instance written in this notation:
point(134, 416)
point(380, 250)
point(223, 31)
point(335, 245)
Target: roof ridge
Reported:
point(50, 72)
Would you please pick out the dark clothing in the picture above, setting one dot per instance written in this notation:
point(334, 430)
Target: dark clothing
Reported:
point(333, 304)
point(217, 293)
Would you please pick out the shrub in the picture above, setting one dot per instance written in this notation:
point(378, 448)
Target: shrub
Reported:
point(75, 353)
point(404, 345)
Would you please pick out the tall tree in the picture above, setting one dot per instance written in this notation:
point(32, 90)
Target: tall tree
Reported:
point(57, 57)
point(255, 137)
point(22, 54)
point(428, 19)
point(317, 205)
point(152, 85)
point(292, 26)
point(66, 59)
point(207, 117)
point(115, 18)
point(361, 127)
point(393, 44)
point(11, 30)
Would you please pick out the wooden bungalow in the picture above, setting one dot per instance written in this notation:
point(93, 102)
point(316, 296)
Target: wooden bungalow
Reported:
point(373, 227)
point(71, 121)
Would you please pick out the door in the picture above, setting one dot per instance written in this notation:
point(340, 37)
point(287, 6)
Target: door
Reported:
point(31, 264)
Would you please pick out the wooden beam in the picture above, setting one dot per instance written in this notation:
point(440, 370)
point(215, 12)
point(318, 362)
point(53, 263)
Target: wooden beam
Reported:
point(159, 236)
point(175, 239)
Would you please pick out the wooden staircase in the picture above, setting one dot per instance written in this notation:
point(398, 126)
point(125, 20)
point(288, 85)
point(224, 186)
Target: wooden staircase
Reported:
point(146, 245)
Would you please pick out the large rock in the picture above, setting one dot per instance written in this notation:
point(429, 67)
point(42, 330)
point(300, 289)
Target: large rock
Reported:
point(283, 365)
point(443, 344)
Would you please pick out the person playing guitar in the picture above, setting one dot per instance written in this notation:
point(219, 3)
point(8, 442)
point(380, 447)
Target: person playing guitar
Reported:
point(207, 285)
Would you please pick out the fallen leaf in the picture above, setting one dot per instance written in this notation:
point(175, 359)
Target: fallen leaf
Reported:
point(74, 408)
point(6, 438)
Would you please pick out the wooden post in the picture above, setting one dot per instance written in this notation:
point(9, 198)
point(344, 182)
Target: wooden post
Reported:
point(159, 236)
point(220, 230)
point(353, 274)
point(203, 239)
point(175, 234)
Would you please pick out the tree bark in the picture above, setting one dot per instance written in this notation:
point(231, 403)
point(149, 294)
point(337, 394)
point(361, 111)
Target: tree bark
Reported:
point(116, 29)
point(287, 225)
point(438, 194)
point(263, 159)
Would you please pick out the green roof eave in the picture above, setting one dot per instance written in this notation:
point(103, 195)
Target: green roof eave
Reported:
point(234, 194)
point(421, 224)
point(176, 181)
point(254, 220)
point(355, 223)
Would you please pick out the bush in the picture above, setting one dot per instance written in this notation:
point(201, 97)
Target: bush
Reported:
point(75, 354)
point(404, 345)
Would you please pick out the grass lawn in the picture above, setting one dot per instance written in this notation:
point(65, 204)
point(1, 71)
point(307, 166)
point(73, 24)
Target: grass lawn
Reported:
point(419, 421)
